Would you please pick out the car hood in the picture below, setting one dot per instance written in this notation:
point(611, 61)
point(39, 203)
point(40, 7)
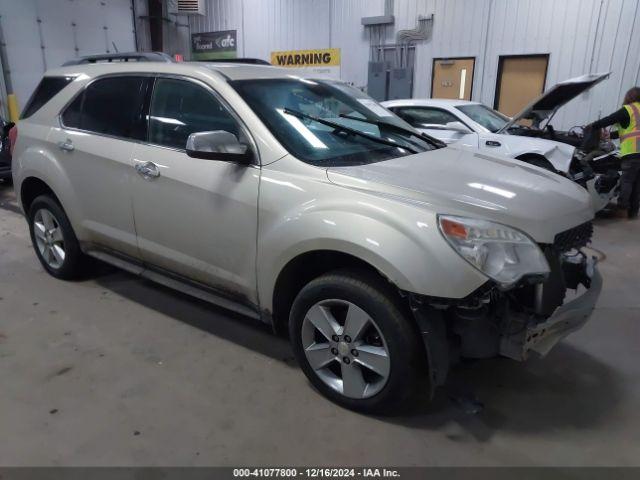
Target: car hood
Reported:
point(557, 96)
point(456, 181)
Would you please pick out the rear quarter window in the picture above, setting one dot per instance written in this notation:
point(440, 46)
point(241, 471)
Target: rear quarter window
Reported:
point(48, 88)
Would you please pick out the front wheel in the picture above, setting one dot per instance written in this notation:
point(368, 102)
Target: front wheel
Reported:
point(355, 344)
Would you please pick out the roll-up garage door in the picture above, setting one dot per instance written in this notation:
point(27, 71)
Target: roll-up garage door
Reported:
point(42, 34)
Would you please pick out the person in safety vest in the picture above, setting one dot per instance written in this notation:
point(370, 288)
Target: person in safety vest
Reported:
point(627, 120)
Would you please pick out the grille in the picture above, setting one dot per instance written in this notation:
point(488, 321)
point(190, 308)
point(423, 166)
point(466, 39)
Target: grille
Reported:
point(576, 237)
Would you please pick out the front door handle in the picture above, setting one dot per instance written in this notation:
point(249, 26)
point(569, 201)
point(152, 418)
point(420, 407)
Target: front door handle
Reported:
point(492, 143)
point(67, 145)
point(147, 170)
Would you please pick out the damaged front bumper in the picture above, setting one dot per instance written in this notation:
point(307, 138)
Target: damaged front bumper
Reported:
point(541, 337)
point(532, 317)
point(602, 190)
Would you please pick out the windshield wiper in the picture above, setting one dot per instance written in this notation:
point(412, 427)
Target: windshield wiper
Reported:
point(353, 131)
point(433, 141)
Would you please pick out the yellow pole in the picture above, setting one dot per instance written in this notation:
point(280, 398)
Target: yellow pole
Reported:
point(12, 105)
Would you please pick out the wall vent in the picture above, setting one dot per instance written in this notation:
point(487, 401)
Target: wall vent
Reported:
point(190, 7)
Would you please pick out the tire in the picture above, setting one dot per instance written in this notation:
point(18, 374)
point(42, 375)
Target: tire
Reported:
point(51, 233)
point(396, 380)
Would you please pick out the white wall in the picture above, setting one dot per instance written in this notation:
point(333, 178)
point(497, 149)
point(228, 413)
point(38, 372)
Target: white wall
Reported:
point(67, 28)
point(581, 36)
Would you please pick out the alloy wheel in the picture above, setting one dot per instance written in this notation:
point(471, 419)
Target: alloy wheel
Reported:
point(49, 238)
point(345, 348)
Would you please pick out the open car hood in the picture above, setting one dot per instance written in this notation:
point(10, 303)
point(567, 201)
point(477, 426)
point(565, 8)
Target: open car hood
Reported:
point(560, 94)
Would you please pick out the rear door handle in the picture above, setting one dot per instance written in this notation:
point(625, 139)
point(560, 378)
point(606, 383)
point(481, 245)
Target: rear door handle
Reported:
point(147, 170)
point(492, 143)
point(67, 145)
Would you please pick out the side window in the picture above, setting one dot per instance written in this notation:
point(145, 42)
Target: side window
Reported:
point(419, 116)
point(180, 108)
point(48, 88)
point(109, 106)
point(73, 114)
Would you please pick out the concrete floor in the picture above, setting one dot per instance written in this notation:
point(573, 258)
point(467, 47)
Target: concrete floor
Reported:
point(118, 371)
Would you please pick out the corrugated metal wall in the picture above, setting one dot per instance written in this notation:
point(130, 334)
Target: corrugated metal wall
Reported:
point(43, 34)
point(580, 36)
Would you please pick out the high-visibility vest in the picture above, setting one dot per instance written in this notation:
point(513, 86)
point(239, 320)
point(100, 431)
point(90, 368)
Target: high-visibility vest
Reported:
point(630, 136)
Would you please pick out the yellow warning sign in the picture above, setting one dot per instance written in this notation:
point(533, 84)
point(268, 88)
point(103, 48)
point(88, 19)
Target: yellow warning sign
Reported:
point(327, 57)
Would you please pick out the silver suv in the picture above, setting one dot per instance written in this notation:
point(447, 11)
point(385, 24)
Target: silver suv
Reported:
point(305, 204)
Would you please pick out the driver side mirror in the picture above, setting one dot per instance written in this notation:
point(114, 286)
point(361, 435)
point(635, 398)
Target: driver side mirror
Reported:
point(457, 127)
point(218, 145)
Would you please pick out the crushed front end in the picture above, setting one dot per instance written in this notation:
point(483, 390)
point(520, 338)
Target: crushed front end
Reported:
point(532, 316)
point(598, 170)
point(540, 315)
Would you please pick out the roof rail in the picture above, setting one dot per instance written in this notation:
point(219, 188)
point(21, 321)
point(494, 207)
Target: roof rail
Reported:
point(121, 57)
point(252, 61)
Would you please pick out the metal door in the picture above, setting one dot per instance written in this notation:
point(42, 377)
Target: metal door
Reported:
point(452, 78)
point(520, 80)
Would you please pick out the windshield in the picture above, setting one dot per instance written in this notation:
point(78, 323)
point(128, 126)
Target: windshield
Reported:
point(306, 116)
point(485, 116)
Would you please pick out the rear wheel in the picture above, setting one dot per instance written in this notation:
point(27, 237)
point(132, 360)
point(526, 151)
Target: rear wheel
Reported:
point(53, 239)
point(355, 344)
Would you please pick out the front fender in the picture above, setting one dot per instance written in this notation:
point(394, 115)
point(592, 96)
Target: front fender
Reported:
point(559, 154)
point(401, 241)
point(364, 238)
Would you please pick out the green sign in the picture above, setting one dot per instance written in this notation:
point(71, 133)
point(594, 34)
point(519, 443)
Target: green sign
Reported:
point(213, 45)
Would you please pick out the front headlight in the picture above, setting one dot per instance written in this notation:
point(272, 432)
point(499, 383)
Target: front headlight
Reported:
point(500, 252)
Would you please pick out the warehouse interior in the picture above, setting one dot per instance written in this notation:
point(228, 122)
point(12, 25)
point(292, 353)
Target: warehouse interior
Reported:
point(578, 37)
point(111, 369)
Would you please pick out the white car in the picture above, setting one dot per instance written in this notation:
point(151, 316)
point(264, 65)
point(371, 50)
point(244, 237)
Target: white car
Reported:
point(476, 126)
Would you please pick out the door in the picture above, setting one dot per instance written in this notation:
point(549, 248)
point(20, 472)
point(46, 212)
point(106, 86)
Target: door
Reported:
point(94, 145)
point(520, 80)
point(196, 218)
point(438, 123)
point(452, 78)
